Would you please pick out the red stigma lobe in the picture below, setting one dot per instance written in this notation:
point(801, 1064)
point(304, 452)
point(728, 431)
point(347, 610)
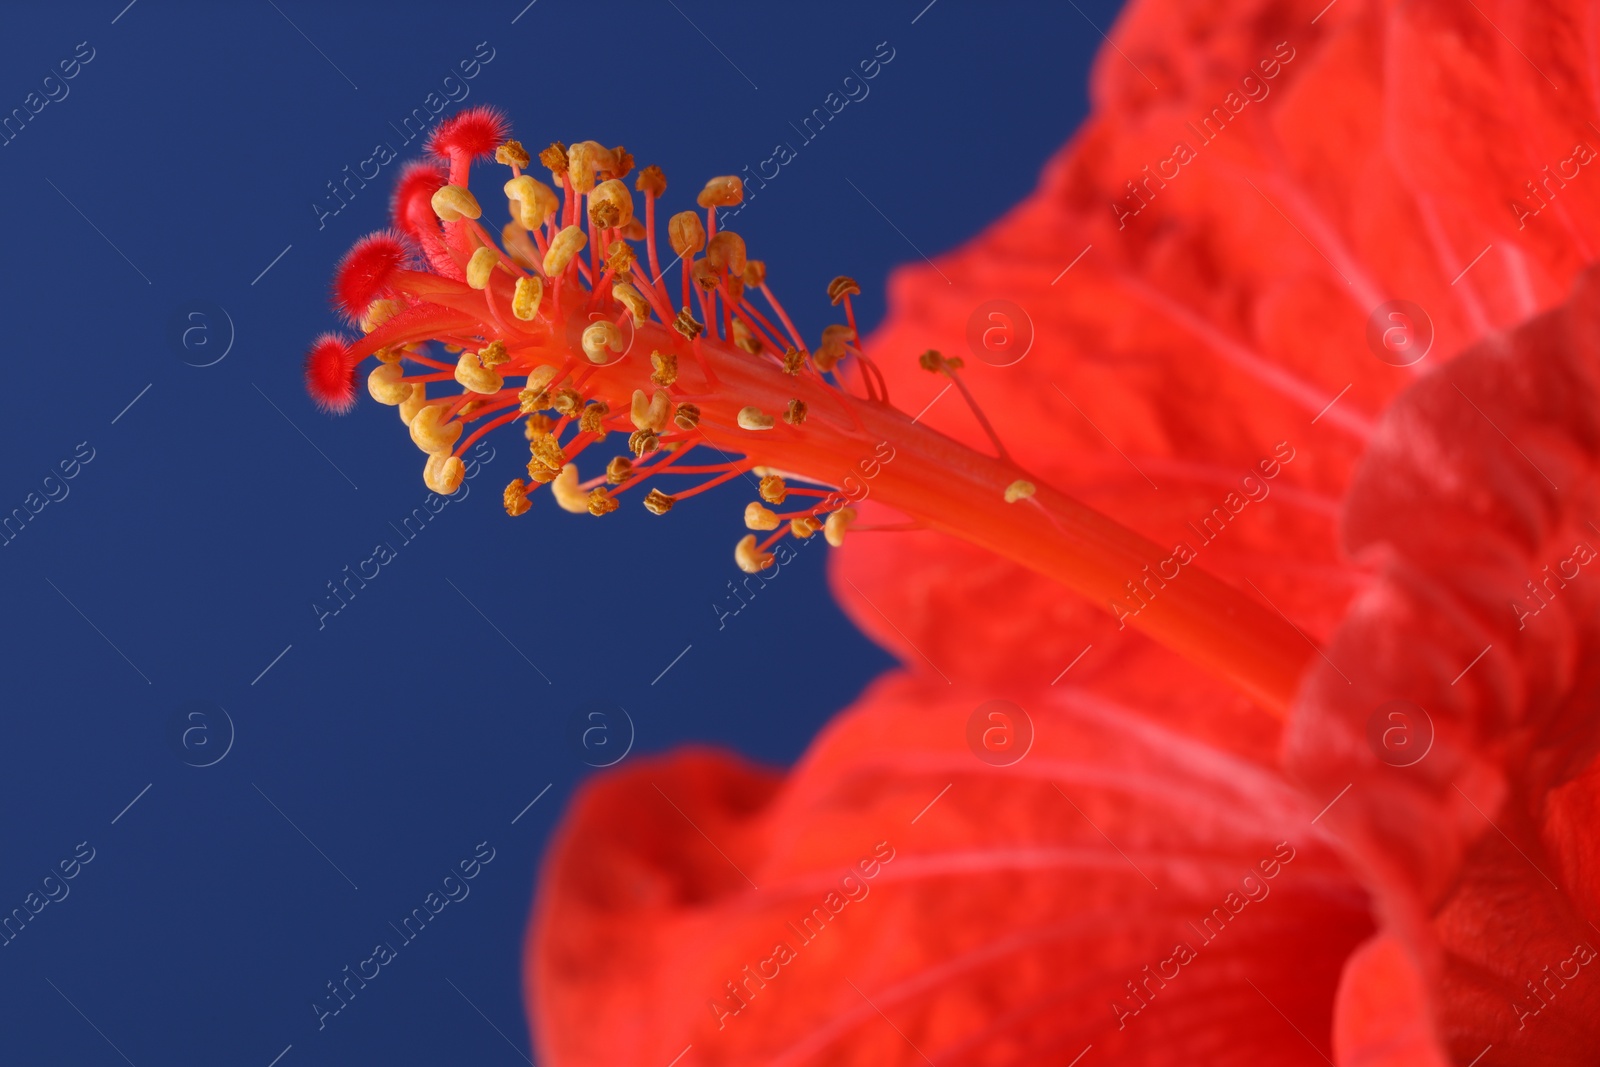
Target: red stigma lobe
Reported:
point(366, 270)
point(331, 374)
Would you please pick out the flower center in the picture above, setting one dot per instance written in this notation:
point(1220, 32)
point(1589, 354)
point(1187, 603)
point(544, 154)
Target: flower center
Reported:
point(559, 324)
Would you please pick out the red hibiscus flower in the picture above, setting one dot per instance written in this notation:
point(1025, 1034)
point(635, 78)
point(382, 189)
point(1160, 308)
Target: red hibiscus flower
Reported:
point(1049, 838)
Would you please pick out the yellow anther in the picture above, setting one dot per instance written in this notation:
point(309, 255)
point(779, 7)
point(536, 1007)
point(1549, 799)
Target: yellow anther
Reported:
point(686, 233)
point(475, 376)
point(431, 433)
point(724, 191)
point(379, 312)
point(755, 273)
point(621, 163)
point(832, 349)
point(635, 301)
point(414, 403)
point(726, 251)
point(793, 360)
point(634, 231)
point(600, 338)
point(659, 503)
point(934, 361)
point(541, 376)
point(533, 399)
point(565, 489)
point(480, 267)
point(555, 159)
point(837, 524)
point(613, 200)
point(841, 287)
point(567, 401)
point(753, 418)
point(534, 199)
point(537, 426)
point(601, 502)
point(515, 498)
point(620, 258)
point(795, 413)
point(687, 417)
point(452, 203)
point(750, 559)
point(643, 442)
point(651, 182)
point(1021, 489)
point(804, 526)
point(385, 385)
point(743, 338)
point(512, 154)
point(443, 473)
point(493, 354)
point(773, 489)
point(583, 159)
point(687, 325)
point(525, 300)
point(563, 246)
point(758, 516)
point(664, 368)
point(593, 419)
point(651, 413)
point(546, 458)
point(705, 275)
point(619, 470)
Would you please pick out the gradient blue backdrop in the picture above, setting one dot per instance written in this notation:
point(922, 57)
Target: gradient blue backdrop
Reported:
point(185, 555)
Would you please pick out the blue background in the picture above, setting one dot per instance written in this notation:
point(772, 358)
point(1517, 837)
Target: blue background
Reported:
point(379, 750)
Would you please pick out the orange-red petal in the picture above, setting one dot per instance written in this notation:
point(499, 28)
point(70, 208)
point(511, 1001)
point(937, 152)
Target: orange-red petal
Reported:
point(999, 913)
point(1232, 312)
point(1474, 823)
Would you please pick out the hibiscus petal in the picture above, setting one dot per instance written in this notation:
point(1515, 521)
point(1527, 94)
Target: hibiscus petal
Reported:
point(1382, 1015)
point(1192, 338)
point(1480, 847)
point(999, 915)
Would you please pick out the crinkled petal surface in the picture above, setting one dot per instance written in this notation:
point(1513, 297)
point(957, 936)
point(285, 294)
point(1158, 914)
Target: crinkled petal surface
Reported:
point(1475, 823)
point(1215, 314)
point(897, 897)
point(1204, 374)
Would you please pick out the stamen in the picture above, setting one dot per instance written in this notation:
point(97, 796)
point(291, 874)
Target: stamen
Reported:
point(480, 266)
point(515, 498)
point(724, 377)
point(568, 496)
point(757, 517)
point(473, 375)
point(600, 338)
point(753, 418)
point(937, 363)
point(751, 559)
point(836, 525)
point(429, 434)
point(385, 386)
point(1020, 489)
point(443, 473)
point(563, 246)
point(452, 203)
point(513, 155)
